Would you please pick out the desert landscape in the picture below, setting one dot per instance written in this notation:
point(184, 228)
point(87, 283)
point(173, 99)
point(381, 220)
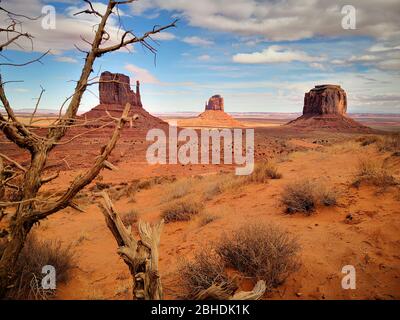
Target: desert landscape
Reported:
point(78, 193)
point(342, 226)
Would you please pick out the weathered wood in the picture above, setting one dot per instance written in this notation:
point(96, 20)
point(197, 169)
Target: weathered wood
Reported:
point(141, 255)
point(217, 292)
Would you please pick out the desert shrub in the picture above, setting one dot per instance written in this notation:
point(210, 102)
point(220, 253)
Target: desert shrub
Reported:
point(178, 189)
point(204, 270)
point(299, 197)
point(213, 190)
point(27, 275)
point(304, 196)
point(146, 184)
point(373, 172)
point(130, 218)
point(263, 172)
point(207, 218)
point(367, 140)
point(260, 251)
point(180, 211)
point(390, 142)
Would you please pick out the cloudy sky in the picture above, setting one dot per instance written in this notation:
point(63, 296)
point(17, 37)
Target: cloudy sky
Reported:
point(261, 55)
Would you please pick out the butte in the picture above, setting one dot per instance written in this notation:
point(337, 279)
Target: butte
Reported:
point(325, 107)
point(213, 116)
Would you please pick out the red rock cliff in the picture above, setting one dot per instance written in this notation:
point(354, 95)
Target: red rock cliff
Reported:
point(325, 99)
point(114, 88)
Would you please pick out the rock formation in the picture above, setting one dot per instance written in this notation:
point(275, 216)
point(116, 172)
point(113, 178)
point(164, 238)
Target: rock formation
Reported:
point(115, 91)
point(325, 99)
point(325, 107)
point(114, 88)
point(213, 116)
point(216, 102)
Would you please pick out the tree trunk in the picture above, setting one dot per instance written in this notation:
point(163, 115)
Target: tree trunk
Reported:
point(10, 256)
point(21, 224)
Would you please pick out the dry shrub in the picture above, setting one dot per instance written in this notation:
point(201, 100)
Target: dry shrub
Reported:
point(178, 189)
point(263, 172)
point(372, 171)
point(27, 275)
point(212, 190)
point(130, 218)
point(367, 140)
point(390, 142)
point(304, 196)
point(204, 270)
point(262, 252)
point(181, 211)
point(207, 218)
point(216, 185)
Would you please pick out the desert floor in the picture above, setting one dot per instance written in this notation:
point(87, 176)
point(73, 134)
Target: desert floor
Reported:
point(362, 230)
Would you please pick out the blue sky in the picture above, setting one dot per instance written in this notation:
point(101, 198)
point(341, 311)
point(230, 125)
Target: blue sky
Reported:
point(260, 55)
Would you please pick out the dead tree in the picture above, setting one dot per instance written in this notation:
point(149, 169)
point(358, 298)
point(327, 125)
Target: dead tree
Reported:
point(31, 207)
point(141, 255)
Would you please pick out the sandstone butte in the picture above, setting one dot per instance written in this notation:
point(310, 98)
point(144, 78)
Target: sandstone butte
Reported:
point(213, 116)
point(325, 107)
point(114, 92)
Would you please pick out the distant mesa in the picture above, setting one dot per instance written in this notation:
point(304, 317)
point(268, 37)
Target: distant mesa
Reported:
point(115, 92)
point(325, 107)
point(216, 102)
point(213, 116)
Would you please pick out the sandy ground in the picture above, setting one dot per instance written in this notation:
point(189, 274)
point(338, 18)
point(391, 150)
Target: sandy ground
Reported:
point(329, 241)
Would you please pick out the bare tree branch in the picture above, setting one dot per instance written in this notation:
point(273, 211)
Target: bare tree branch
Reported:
point(81, 181)
point(13, 162)
point(124, 42)
point(36, 105)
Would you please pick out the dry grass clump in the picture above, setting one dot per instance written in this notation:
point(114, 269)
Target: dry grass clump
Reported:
point(204, 270)
point(178, 189)
point(28, 272)
point(262, 252)
point(367, 140)
point(181, 211)
point(130, 217)
point(207, 218)
point(304, 196)
point(212, 190)
point(263, 172)
point(389, 143)
point(372, 171)
point(215, 185)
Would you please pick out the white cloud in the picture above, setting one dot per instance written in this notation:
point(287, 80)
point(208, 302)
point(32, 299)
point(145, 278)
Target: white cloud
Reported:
point(66, 59)
point(197, 41)
point(275, 54)
point(164, 36)
point(284, 19)
point(379, 57)
point(141, 74)
point(204, 57)
point(69, 28)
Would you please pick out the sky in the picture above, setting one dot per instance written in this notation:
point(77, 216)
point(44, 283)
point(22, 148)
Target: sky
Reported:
point(260, 55)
